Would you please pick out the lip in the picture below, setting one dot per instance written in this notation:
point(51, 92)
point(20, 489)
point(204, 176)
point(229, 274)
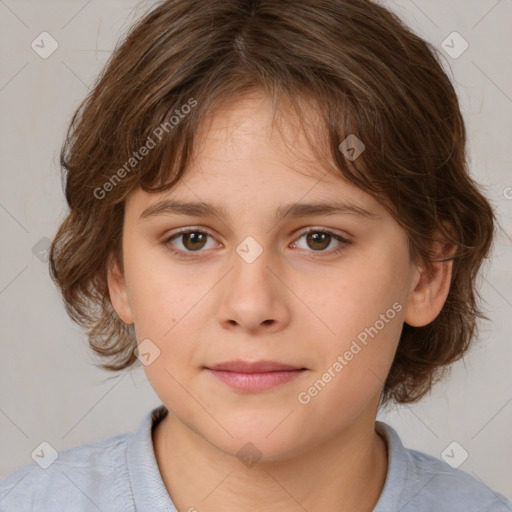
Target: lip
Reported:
point(254, 376)
point(253, 367)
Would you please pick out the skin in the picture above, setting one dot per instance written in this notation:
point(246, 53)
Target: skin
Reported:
point(293, 304)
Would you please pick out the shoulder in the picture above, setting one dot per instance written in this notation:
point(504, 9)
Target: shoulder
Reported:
point(420, 482)
point(457, 489)
point(89, 476)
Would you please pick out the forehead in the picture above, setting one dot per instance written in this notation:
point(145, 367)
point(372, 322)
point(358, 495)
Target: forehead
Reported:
point(250, 127)
point(245, 153)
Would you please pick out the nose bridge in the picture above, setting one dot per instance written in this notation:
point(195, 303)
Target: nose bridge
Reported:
point(251, 261)
point(251, 296)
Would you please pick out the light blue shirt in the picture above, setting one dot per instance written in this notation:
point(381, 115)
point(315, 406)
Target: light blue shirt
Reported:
point(120, 474)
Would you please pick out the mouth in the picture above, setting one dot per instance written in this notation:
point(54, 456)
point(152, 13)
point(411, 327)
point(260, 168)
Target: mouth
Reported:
point(254, 376)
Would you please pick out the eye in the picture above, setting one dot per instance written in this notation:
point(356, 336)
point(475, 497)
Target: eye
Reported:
point(319, 240)
point(192, 240)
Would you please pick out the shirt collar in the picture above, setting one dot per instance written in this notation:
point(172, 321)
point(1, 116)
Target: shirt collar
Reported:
point(396, 472)
point(149, 491)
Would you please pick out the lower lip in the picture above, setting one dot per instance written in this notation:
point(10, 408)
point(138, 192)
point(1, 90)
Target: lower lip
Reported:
point(254, 382)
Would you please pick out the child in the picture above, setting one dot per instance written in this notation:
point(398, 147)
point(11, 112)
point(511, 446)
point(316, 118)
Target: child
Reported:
point(270, 209)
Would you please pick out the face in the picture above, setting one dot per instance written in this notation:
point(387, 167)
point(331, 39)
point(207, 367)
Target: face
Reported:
point(325, 293)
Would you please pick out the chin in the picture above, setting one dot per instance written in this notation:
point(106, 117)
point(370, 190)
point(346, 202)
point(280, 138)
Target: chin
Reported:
point(257, 445)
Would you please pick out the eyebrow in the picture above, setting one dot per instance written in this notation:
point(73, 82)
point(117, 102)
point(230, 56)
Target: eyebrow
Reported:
point(201, 209)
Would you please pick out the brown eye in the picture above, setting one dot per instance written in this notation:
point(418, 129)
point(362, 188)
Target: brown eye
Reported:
point(194, 240)
point(189, 241)
point(318, 240)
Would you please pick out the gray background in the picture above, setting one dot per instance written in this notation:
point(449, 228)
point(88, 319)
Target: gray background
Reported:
point(50, 389)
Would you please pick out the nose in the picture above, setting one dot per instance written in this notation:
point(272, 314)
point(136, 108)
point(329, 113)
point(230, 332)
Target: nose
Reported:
point(253, 296)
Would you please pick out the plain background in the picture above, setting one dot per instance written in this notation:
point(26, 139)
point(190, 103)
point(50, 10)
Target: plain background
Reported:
point(50, 389)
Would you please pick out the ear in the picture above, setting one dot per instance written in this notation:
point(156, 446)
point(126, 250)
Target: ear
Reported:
point(118, 291)
point(431, 285)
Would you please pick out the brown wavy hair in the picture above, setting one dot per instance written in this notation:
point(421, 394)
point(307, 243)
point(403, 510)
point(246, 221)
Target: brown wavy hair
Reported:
point(366, 74)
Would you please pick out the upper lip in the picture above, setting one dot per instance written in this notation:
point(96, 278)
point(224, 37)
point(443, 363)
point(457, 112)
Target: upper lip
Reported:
point(253, 367)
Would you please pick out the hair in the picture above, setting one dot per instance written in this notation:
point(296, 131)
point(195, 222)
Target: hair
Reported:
point(366, 74)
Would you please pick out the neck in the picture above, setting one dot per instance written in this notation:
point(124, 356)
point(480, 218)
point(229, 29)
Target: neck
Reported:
point(345, 473)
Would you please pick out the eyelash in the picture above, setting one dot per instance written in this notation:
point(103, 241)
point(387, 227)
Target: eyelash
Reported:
point(191, 254)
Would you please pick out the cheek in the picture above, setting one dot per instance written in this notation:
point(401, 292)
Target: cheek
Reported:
point(168, 320)
point(165, 306)
point(361, 308)
point(161, 293)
